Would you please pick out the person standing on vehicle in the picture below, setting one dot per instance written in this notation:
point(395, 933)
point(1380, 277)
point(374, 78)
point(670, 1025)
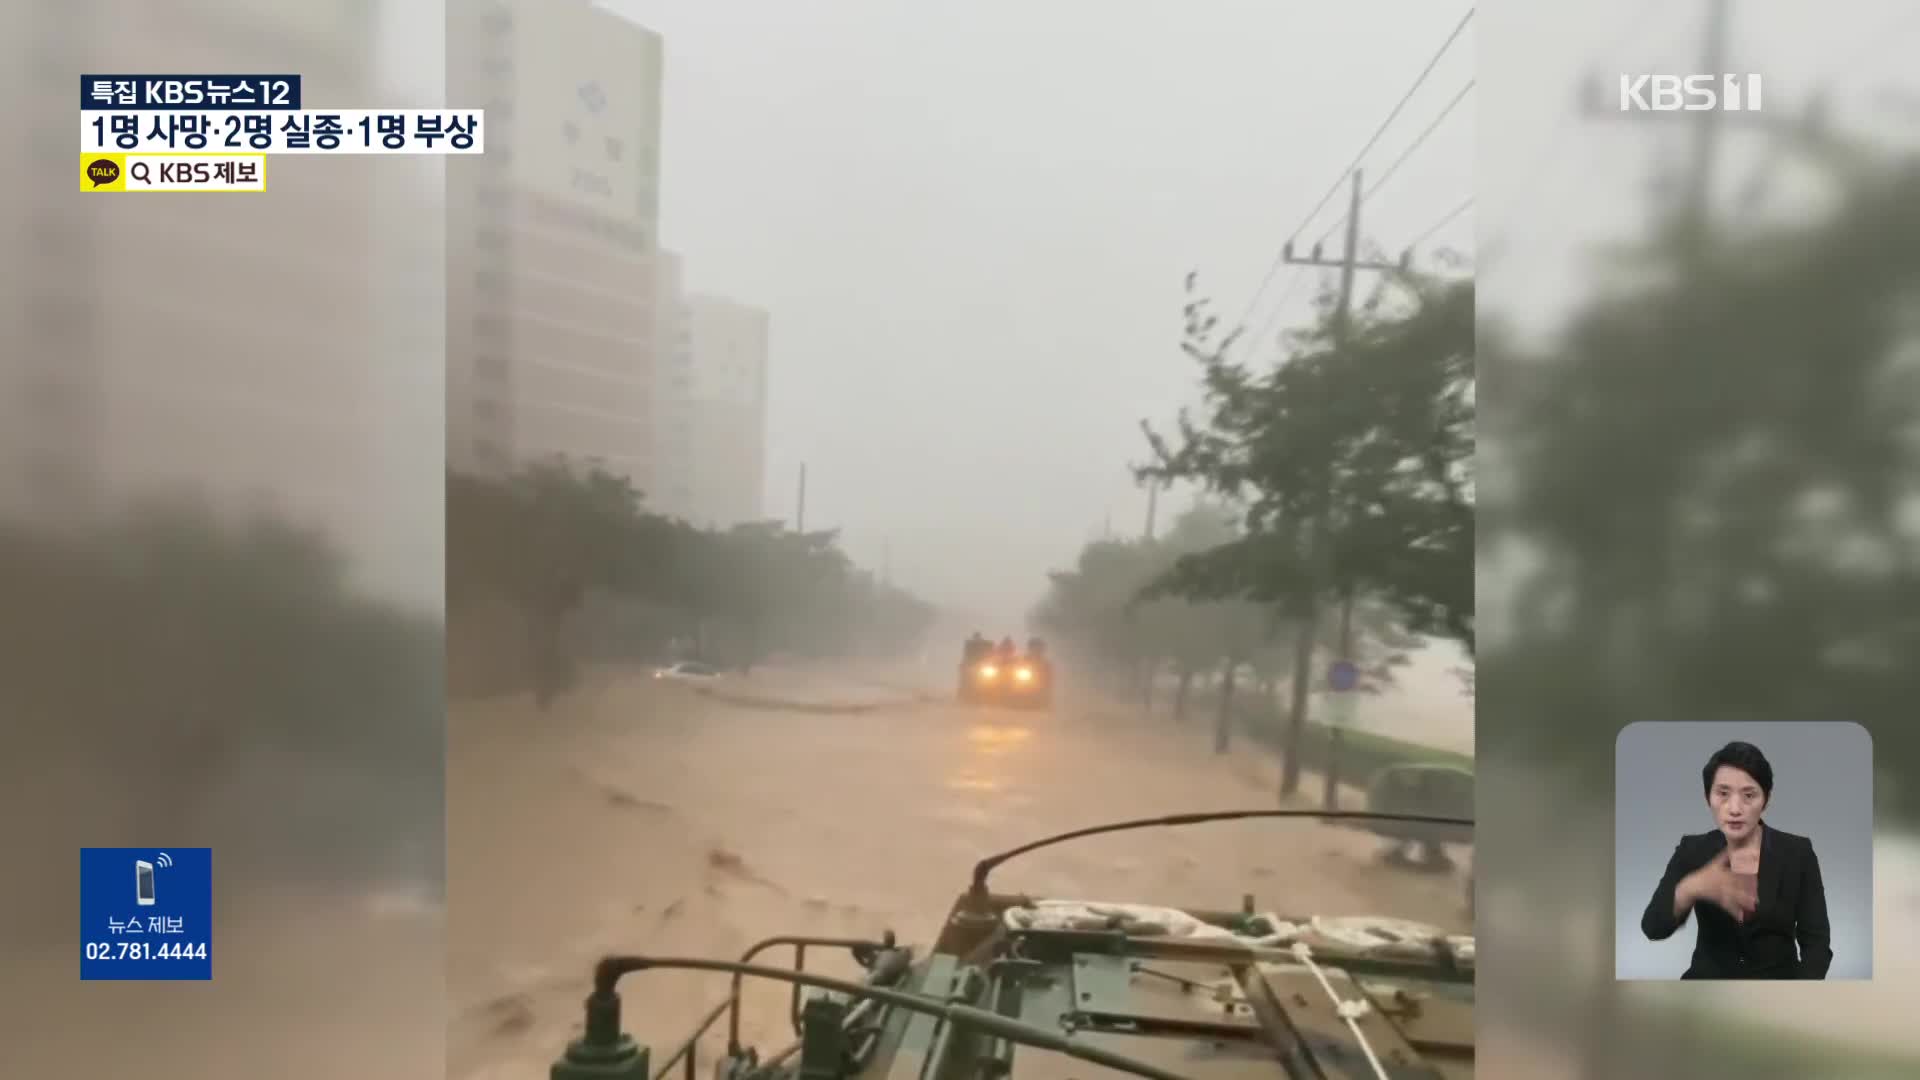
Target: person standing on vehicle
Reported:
point(975, 649)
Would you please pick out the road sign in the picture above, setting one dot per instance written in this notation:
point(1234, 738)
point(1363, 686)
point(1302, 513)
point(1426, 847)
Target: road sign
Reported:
point(1343, 676)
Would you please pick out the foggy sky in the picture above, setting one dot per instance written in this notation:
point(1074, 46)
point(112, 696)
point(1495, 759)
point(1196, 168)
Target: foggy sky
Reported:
point(1551, 184)
point(970, 224)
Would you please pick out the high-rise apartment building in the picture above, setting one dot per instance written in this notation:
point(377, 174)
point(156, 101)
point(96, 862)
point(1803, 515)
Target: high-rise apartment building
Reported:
point(726, 409)
point(673, 491)
point(553, 330)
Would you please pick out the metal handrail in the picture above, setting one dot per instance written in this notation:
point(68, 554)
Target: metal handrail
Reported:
point(731, 1006)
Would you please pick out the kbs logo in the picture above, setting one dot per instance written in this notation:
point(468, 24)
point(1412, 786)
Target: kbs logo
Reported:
point(1689, 93)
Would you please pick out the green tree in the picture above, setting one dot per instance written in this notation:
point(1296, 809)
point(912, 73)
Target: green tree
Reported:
point(1352, 461)
point(1712, 469)
point(550, 537)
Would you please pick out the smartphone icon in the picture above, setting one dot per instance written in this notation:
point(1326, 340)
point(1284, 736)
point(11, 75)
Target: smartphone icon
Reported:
point(143, 882)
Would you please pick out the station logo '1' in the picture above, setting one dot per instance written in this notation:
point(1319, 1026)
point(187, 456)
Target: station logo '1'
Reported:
point(103, 171)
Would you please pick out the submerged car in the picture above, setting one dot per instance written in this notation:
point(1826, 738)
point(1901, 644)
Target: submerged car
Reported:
point(687, 671)
point(1014, 986)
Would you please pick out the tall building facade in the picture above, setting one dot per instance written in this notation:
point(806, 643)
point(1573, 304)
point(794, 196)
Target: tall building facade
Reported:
point(554, 332)
point(673, 490)
point(725, 403)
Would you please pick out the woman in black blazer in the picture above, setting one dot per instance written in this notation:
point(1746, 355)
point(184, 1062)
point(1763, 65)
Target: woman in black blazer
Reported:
point(1757, 889)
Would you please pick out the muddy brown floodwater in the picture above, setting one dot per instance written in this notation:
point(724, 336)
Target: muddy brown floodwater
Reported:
point(636, 816)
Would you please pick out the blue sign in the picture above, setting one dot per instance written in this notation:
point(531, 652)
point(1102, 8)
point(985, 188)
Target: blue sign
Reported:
point(146, 913)
point(241, 93)
point(1343, 676)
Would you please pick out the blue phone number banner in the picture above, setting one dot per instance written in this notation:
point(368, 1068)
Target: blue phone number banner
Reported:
point(146, 913)
point(244, 92)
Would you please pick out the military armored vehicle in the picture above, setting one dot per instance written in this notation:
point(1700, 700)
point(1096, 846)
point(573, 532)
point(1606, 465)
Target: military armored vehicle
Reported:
point(1014, 679)
point(1017, 986)
point(1419, 789)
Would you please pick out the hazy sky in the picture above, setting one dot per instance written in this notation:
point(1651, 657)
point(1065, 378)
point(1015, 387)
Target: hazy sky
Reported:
point(971, 222)
point(1551, 183)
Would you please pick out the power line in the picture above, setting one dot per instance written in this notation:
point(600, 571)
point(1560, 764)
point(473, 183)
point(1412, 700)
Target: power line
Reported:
point(1301, 268)
point(1443, 222)
point(1404, 155)
point(1280, 306)
point(1278, 259)
point(1415, 145)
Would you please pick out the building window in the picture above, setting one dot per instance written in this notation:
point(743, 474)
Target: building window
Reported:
point(486, 410)
point(489, 453)
point(490, 366)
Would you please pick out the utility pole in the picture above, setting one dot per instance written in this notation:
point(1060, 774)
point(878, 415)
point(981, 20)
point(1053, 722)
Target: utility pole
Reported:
point(800, 503)
point(1153, 506)
point(1349, 264)
point(1706, 136)
point(1694, 208)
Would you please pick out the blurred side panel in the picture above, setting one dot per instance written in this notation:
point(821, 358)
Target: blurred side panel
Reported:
point(1701, 492)
point(221, 559)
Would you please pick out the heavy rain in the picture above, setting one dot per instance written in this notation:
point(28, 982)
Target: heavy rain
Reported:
point(503, 562)
point(679, 729)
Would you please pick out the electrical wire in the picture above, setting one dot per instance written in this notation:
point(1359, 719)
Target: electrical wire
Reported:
point(1279, 257)
point(1402, 159)
point(1444, 221)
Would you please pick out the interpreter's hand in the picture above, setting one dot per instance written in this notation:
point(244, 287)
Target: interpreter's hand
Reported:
point(1717, 884)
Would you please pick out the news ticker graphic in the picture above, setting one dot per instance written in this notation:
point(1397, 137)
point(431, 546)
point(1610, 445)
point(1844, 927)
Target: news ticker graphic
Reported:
point(248, 115)
point(146, 914)
point(305, 131)
point(189, 91)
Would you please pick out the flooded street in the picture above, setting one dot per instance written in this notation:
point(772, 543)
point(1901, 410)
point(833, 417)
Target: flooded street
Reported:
point(638, 816)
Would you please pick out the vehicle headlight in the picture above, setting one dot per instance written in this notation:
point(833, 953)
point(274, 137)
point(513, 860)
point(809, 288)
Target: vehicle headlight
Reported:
point(1024, 674)
point(988, 671)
